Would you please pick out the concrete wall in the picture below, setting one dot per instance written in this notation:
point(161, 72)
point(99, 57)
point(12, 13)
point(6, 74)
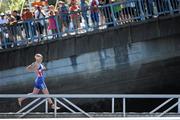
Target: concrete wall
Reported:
point(93, 41)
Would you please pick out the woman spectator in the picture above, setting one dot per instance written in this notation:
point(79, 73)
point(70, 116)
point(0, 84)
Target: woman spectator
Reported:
point(52, 23)
point(75, 16)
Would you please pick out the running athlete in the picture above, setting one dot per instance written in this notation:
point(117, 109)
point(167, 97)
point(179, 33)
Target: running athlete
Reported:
point(39, 69)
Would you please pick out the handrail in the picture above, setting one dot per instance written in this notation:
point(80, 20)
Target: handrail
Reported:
point(82, 96)
point(92, 96)
point(114, 12)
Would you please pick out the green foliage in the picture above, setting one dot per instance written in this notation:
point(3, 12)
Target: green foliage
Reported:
point(6, 5)
point(51, 2)
point(15, 4)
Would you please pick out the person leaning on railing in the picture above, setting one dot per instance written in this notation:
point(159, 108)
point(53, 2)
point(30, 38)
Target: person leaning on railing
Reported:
point(18, 25)
point(39, 16)
point(64, 18)
point(52, 23)
point(3, 22)
point(74, 14)
point(94, 12)
point(84, 10)
point(11, 25)
point(27, 18)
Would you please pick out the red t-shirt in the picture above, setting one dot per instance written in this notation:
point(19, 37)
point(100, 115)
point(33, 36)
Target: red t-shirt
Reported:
point(74, 8)
point(94, 6)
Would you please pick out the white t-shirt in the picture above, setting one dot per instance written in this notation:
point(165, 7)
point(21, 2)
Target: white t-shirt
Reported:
point(40, 16)
point(3, 21)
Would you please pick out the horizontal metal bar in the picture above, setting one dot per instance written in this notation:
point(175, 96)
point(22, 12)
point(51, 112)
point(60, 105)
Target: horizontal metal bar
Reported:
point(92, 96)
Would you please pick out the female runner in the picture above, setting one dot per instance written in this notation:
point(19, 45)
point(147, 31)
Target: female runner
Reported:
point(39, 69)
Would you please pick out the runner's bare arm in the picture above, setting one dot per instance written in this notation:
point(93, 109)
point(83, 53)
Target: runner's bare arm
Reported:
point(32, 67)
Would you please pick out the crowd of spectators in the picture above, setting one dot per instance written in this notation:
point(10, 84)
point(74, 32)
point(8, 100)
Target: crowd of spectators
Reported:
point(64, 18)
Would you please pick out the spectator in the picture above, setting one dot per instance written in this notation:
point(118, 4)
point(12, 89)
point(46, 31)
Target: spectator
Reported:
point(84, 9)
point(28, 24)
point(94, 12)
point(3, 22)
point(52, 23)
point(128, 10)
point(51, 8)
point(101, 9)
point(64, 19)
point(18, 26)
point(12, 29)
point(117, 10)
point(75, 16)
point(40, 23)
point(162, 6)
point(107, 14)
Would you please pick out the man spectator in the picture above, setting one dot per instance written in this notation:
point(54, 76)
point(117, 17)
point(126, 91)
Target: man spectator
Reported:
point(27, 17)
point(84, 9)
point(64, 19)
point(40, 23)
point(18, 26)
point(12, 28)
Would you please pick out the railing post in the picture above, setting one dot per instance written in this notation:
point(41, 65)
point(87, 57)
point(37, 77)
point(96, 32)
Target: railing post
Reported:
point(124, 107)
point(141, 10)
point(179, 105)
point(170, 7)
point(112, 105)
point(55, 108)
point(46, 106)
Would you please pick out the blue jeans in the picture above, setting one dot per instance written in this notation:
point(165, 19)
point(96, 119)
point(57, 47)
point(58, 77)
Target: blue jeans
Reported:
point(95, 18)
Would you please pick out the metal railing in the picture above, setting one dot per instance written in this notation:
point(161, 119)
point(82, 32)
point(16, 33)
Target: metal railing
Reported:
point(63, 100)
point(82, 21)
